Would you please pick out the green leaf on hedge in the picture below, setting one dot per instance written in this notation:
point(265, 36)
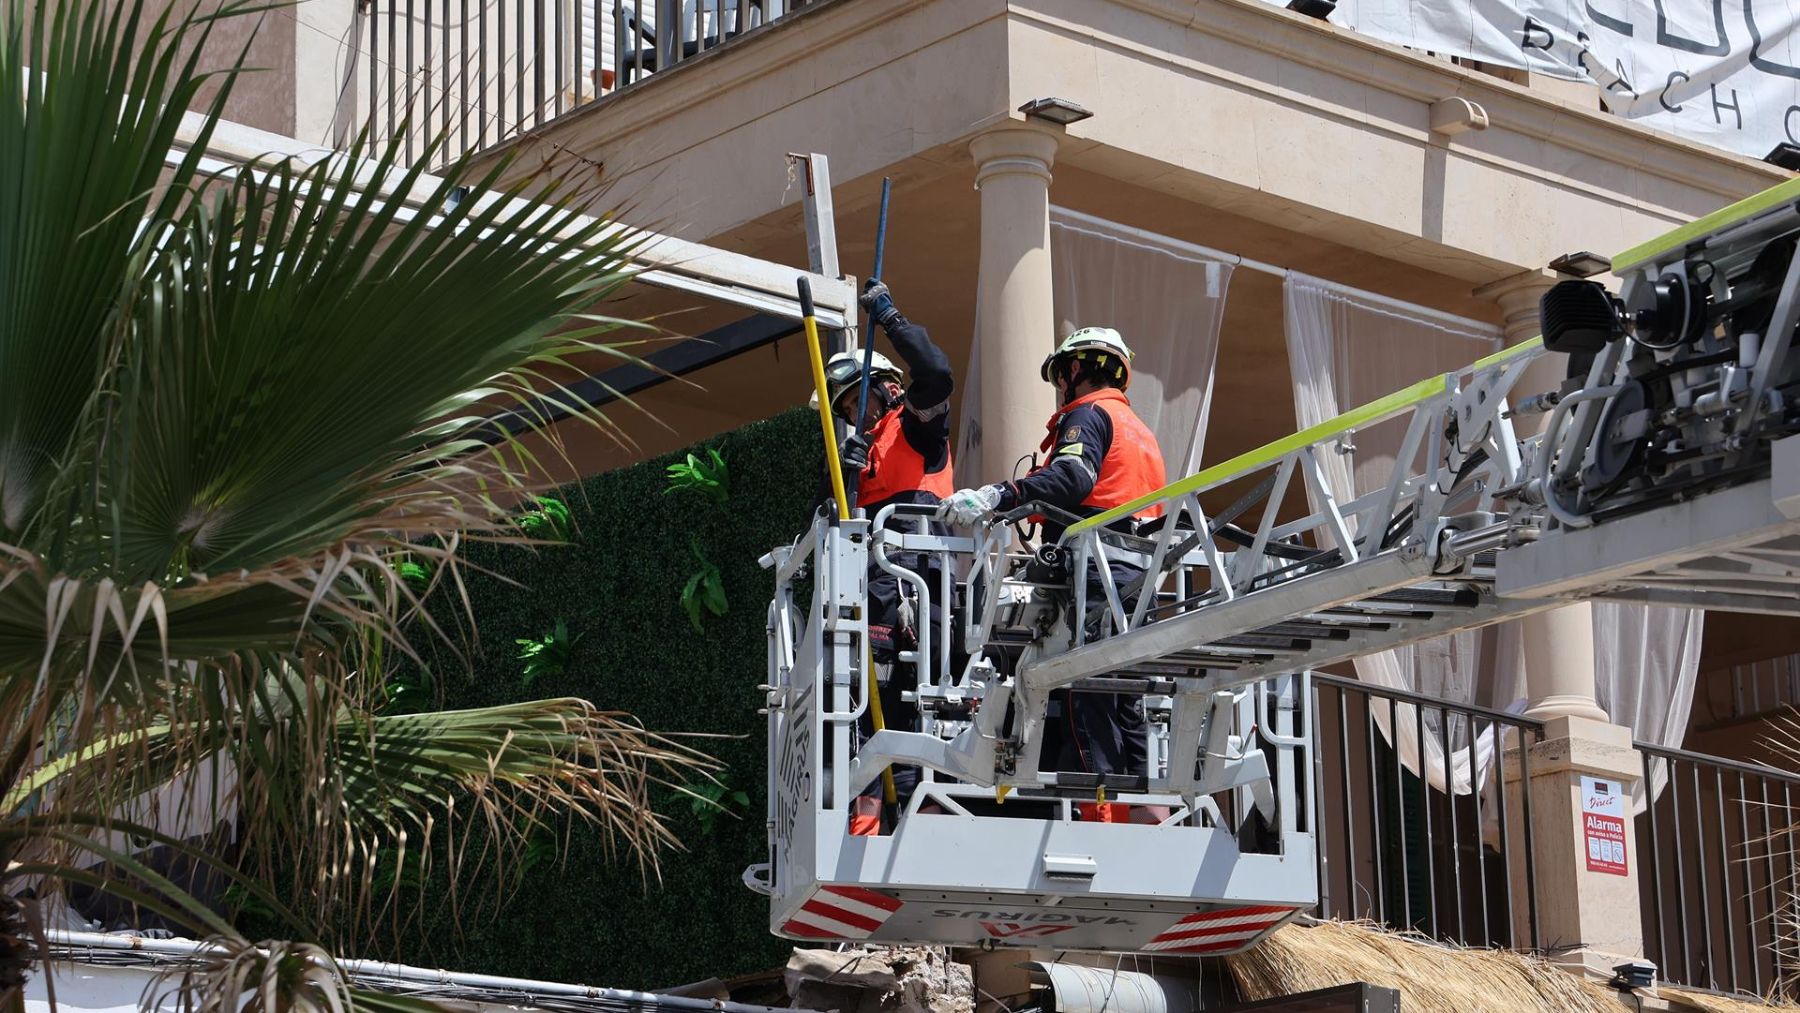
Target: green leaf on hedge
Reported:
point(710, 476)
point(550, 520)
point(705, 589)
point(547, 655)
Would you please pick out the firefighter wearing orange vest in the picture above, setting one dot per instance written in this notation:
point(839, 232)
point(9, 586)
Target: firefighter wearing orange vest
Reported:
point(1101, 455)
point(904, 452)
point(904, 458)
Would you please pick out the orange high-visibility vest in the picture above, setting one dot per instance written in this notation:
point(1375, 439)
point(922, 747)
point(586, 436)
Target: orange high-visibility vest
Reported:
point(895, 467)
point(1133, 465)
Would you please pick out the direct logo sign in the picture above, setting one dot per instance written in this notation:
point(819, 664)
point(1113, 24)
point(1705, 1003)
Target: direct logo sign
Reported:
point(1603, 826)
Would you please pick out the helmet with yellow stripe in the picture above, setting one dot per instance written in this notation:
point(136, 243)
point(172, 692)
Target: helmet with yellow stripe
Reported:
point(1101, 351)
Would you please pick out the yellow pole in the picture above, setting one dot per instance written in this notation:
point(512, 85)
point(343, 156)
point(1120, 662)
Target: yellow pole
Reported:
point(832, 464)
point(836, 470)
point(888, 791)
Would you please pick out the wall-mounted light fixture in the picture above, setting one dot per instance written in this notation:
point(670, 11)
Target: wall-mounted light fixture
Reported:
point(1055, 110)
point(1581, 265)
point(1785, 155)
point(1635, 974)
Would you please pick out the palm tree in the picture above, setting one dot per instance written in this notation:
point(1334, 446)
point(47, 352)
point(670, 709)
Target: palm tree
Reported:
point(231, 400)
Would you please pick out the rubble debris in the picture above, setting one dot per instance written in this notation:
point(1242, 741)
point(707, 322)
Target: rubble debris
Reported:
point(879, 979)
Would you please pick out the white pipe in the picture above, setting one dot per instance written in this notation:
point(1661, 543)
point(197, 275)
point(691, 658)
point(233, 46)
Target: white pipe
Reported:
point(1181, 247)
point(1169, 243)
point(397, 972)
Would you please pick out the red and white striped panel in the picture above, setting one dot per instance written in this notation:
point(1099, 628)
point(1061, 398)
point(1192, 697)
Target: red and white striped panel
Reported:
point(842, 912)
point(1218, 931)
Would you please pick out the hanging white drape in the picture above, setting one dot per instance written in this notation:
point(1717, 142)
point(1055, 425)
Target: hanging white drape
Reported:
point(1646, 665)
point(1166, 297)
point(1348, 347)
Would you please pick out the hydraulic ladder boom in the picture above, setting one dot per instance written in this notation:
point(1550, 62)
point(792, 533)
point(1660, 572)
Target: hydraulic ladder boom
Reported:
point(1667, 471)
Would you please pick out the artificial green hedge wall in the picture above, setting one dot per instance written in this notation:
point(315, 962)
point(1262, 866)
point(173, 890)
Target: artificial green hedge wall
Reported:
point(618, 585)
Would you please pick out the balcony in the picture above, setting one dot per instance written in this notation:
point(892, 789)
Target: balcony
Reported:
point(1713, 852)
point(471, 74)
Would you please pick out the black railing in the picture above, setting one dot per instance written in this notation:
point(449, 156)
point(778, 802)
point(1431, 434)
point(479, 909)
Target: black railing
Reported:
point(1395, 849)
point(475, 73)
point(1719, 873)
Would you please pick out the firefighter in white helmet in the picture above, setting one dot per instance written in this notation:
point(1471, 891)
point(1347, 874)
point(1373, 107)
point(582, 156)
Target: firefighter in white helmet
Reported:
point(1101, 455)
point(903, 457)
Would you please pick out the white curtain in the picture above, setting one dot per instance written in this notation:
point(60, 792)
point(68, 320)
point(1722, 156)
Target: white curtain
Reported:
point(1165, 296)
point(1346, 348)
point(1646, 665)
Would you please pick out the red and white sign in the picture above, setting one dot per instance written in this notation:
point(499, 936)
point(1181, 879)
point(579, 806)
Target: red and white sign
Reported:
point(1218, 931)
point(1603, 826)
point(842, 912)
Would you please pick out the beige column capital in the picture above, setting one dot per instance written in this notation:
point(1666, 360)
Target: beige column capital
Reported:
point(1008, 151)
point(1517, 296)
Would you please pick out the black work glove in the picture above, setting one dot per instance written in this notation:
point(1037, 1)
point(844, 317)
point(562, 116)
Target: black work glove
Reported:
point(880, 305)
point(854, 453)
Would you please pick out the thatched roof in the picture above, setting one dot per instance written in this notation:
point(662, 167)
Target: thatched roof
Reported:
point(1433, 978)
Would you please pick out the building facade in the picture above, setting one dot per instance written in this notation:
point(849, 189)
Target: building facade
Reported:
point(1274, 146)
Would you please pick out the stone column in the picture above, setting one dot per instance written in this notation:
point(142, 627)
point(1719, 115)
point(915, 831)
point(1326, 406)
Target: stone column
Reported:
point(1559, 644)
point(1587, 905)
point(1016, 318)
point(1587, 913)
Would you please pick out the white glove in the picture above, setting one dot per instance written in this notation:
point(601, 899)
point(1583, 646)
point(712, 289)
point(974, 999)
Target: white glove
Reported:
point(967, 506)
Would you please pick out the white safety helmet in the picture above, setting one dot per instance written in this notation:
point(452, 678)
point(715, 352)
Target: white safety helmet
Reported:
point(1101, 347)
point(844, 372)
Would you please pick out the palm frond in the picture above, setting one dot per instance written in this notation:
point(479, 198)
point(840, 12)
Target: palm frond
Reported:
point(320, 784)
point(85, 101)
point(235, 976)
point(233, 403)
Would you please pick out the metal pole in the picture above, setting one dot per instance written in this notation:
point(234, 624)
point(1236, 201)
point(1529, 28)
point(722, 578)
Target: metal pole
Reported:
point(818, 372)
point(862, 398)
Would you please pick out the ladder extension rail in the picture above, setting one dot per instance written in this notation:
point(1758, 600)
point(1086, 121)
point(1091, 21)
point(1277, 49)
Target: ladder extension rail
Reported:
point(1668, 472)
point(1422, 517)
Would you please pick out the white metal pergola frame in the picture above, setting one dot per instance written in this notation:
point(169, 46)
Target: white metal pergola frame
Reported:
point(655, 259)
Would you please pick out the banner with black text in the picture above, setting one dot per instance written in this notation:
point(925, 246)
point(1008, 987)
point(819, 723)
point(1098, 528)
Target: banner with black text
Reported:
point(1723, 72)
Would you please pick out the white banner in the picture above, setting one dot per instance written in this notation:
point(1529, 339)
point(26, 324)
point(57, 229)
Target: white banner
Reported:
point(1724, 72)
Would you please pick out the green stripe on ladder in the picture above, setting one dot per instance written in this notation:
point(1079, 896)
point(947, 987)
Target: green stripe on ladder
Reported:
point(1375, 411)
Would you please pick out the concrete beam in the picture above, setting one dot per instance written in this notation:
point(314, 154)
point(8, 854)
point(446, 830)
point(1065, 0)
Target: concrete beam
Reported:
point(1233, 104)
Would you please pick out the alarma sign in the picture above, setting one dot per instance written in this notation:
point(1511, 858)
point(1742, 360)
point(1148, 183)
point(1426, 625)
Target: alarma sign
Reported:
point(1603, 826)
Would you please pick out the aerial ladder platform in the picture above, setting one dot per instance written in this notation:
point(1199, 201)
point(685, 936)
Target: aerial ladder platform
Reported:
point(1659, 464)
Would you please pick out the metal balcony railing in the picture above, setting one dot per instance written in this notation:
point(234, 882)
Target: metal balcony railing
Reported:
point(475, 73)
point(1395, 849)
point(1719, 873)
